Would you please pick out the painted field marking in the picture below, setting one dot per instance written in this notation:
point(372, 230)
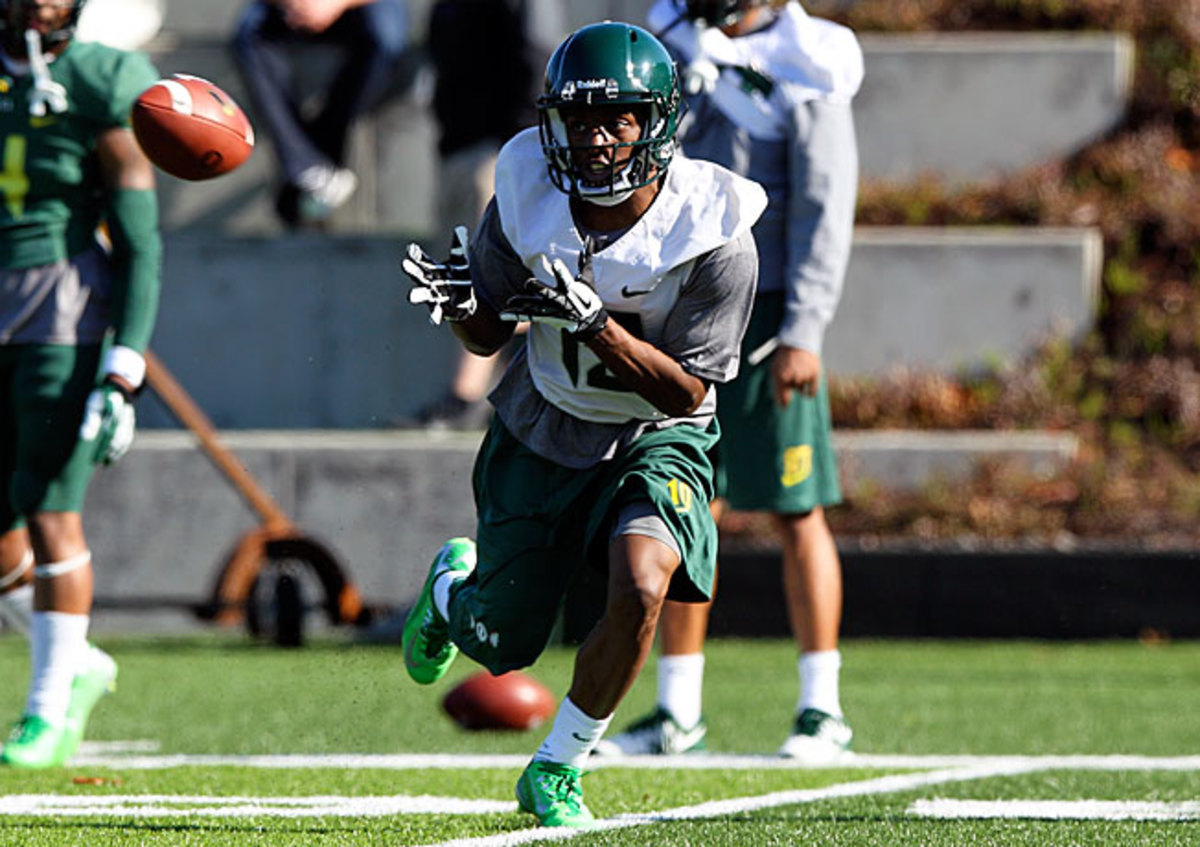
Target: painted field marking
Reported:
point(1108, 810)
point(101, 748)
point(934, 770)
point(737, 805)
point(442, 761)
point(183, 805)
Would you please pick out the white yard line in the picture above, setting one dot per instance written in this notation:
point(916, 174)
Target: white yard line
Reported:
point(738, 805)
point(934, 770)
point(1107, 810)
point(181, 805)
point(436, 761)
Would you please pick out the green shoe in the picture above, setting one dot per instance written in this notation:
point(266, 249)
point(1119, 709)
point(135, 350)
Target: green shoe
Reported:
point(89, 686)
point(657, 734)
point(428, 650)
point(33, 743)
point(552, 793)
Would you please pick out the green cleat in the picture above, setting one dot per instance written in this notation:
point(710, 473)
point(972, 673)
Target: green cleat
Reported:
point(551, 792)
point(89, 686)
point(428, 650)
point(34, 743)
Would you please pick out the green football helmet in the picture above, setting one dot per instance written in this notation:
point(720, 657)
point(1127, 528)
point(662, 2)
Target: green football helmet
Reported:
point(611, 64)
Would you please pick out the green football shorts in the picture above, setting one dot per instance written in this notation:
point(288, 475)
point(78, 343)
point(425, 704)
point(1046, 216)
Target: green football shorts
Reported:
point(43, 465)
point(537, 520)
point(773, 459)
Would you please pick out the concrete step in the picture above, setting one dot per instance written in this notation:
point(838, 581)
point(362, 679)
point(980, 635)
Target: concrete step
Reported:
point(316, 332)
point(962, 107)
point(973, 106)
point(161, 521)
point(946, 299)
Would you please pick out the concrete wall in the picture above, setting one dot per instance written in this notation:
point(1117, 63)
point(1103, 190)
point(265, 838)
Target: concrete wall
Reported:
point(969, 107)
point(162, 520)
point(950, 299)
point(316, 332)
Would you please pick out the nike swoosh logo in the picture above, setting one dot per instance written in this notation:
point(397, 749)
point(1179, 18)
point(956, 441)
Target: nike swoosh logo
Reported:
point(579, 737)
point(626, 292)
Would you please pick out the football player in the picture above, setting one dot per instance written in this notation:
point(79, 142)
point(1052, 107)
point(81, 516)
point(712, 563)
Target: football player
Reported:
point(636, 270)
point(74, 318)
point(770, 92)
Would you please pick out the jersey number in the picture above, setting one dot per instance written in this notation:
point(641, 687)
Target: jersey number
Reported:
point(14, 182)
point(597, 375)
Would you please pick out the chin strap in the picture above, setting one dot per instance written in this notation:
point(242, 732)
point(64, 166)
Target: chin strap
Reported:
point(47, 95)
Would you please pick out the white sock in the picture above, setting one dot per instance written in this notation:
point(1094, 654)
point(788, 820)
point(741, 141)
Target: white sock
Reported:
point(572, 737)
point(819, 681)
point(680, 681)
point(441, 591)
point(59, 645)
point(16, 607)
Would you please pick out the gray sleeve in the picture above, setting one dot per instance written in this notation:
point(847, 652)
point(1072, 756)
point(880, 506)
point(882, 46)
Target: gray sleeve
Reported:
point(704, 330)
point(820, 219)
point(497, 272)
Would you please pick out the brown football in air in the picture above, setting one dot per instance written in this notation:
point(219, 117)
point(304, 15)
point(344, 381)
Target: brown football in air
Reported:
point(191, 129)
point(512, 700)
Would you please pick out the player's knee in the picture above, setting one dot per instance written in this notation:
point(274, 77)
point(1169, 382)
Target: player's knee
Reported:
point(635, 603)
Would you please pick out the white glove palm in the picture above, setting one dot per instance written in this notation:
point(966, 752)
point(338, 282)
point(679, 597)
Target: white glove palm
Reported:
point(445, 287)
point(108, 423)
point(571, 303)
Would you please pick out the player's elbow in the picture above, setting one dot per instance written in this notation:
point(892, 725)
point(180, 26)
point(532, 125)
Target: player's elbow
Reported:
point(682, 400)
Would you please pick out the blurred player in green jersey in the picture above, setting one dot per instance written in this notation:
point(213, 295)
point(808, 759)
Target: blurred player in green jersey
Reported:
point(76, 311)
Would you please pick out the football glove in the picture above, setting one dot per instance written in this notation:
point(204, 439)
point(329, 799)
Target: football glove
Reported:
point(445, 287)
point(571, 303)
point(108, 423)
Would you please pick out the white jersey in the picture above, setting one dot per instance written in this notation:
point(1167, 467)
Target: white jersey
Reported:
point(640, 276)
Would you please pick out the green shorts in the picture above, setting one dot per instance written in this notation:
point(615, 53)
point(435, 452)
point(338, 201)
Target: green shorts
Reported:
point(773, 459)
point(43, 465)
point(537, 520)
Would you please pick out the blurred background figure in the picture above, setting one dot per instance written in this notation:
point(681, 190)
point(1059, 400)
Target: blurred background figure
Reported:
point(769, 91)
point(311, 146)
point(124, 24)
point(489, 57)
point(76, 316)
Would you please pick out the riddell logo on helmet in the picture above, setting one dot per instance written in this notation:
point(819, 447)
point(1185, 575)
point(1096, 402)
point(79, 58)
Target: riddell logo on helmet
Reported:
point(609, 86)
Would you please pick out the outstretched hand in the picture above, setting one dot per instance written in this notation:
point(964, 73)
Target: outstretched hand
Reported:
point(444, 287)
point(571, 303)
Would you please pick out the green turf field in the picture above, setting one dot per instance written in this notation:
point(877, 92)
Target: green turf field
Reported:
point(217, 742)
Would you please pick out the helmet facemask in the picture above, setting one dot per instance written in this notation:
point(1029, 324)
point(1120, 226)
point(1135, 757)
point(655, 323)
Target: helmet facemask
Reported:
point(648, 156)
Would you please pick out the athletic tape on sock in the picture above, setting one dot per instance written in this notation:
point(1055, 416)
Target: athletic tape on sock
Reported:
point(53, 569)
point(13, 577)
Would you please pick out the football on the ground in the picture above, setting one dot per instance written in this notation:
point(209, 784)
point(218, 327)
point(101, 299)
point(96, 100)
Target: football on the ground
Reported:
point(191, 129)
point(510, 701)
